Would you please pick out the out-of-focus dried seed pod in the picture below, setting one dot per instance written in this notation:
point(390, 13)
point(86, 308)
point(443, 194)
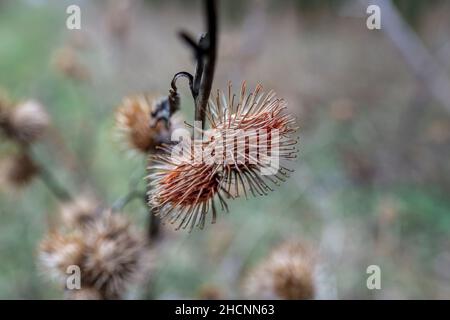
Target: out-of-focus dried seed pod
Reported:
point(137, 126)
point(27, 122)
point(110, 253)
point(80, 212)
point(287, 273)
point(66, 61)
point(115, 255)
point(60, 250)
point(17, 171)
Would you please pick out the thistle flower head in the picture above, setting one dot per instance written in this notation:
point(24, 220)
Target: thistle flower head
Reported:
point(287, 273)
point(182, 188)
point(109, 252)
point(17, 171)
point(114, 255)
point(137, 125)
point(27, 122)
point(60, 250)
point(80, 212)
point(66, 61)
point(266, 130)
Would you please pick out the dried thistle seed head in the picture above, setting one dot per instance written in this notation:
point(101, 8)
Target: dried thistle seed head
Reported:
point(138, 126)
point(27, 122)
point(110, 253)
point(80, 212)
point(66, 61)
point(115, 255)
point(266, 130)
point(287, 273)
point(17, 171)
point(183, 191)
point(60, 250)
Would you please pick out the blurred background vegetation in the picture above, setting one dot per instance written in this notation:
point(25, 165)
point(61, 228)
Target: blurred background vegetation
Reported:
point(372, 181)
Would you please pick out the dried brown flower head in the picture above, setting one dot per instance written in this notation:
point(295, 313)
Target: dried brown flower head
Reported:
point(287, 273)
point(66, 61)
point(262, 117)
point(80, 212)
point(183, 189)
point(17, 171)
point(110, 253)
point(26, 122)
point(60, 250)
point(115, 255)
point(136, 124)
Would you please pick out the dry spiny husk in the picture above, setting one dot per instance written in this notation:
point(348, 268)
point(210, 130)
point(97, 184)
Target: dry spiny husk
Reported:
point(185, 192)
point(138, 126)
point(67, 62)
point(110, 253)
point(287, 273)
point(182, 189)
point(26, 122)
point(17, 171)
point(80, 212)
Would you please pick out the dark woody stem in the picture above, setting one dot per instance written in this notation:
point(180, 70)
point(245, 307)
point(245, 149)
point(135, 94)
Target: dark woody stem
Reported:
point(205, 52)
point(200, 84)
point(209, 45)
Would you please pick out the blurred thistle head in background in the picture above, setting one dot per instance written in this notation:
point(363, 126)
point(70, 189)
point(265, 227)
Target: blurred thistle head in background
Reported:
point(110, 253)
point(287, 273)
point(138, 126)
point(80, 211)
point(67, 62)
point(25, 122)
point(16, 171)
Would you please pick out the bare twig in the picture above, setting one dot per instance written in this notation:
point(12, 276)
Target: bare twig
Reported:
point(209, 63)
point(205, 53)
